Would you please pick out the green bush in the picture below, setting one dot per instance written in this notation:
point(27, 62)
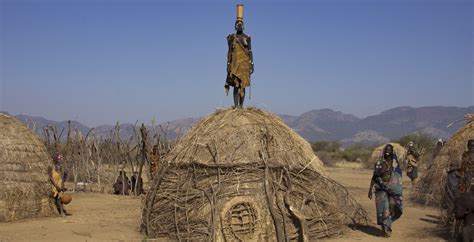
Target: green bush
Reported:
point(330, 152)
point(328, 158)
point(424, 143)
point(328, 146)
point(356, 152)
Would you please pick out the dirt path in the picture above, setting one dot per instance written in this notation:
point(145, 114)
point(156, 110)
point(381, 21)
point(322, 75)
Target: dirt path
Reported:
point(418, 223)
point(95, 217)
point(99, 217)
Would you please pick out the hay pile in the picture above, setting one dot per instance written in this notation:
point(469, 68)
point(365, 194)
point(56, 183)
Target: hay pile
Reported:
point(24, 182)
point(244, 175)
point(430, 189)
point(377, 153)
point(233, 136)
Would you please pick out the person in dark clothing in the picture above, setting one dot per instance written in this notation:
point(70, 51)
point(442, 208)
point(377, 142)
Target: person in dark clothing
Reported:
point(464, 211)
point(122, 184)
point(467, 168)
point(387, 182)
point(413, 157)
point(137, 187)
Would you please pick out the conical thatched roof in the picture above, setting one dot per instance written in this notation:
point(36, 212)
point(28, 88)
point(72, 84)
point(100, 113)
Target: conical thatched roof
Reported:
point(24, 181)
point(399, 150)
point(431, 186)
point(234, 137)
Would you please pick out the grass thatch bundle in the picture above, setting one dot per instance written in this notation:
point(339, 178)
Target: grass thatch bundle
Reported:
point(377, 153)
point(23, 168)
point(430, 189)
point(244, 175)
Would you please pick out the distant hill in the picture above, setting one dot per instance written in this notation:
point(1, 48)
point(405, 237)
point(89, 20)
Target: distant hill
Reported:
point(322, 124)
point(401, 121)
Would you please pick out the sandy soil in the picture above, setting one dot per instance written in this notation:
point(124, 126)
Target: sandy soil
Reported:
point(418, 223)
point(99, 217)
point(95, 217)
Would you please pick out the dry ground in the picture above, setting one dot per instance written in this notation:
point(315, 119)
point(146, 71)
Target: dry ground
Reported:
point(418, 223)
point(99, 217)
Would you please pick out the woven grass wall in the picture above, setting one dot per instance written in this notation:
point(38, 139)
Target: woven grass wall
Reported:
point(24, 183)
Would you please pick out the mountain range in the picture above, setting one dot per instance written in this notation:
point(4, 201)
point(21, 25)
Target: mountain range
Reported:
point(314, 125)
point(326, 124)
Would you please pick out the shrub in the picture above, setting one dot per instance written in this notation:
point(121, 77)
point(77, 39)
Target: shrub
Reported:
point(328, 146)
point(422, 141)
point(356, 152)
point(425, 143)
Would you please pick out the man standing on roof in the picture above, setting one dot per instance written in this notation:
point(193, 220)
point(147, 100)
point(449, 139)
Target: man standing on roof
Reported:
point(239, 60)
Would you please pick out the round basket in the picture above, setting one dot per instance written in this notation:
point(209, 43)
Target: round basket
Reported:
point(66, 199)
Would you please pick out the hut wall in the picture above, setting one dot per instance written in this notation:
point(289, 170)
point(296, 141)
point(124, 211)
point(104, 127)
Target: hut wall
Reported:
point(24, 183)
point(431, 189)
point(194, 204)
point(231, 203)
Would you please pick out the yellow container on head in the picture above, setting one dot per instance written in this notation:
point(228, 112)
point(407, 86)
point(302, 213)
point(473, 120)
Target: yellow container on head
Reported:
point(240, 11)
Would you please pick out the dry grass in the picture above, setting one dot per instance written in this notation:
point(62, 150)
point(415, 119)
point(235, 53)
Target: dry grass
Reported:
point(23, 167)
point(247, 158)
point(233, 137)
point(431, 186)
point(349, 165)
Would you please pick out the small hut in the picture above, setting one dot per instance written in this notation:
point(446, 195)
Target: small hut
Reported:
point(430, 189)
point(23, 168)
point(243, 174)
point(399, 150)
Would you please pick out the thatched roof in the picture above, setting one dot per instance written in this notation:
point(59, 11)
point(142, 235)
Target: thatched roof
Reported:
point(399, 150)
point(234, 137)
point(24, 182)
point(431, 186)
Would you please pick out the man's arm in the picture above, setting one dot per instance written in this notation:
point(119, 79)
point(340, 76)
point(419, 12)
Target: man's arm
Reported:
point(230, 40)
point(372, 182)
point(250, 53)
point(375, 177)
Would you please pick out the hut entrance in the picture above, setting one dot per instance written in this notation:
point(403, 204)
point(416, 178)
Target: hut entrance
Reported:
point(240, 222)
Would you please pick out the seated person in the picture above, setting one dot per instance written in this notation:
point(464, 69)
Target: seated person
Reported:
point(122, 184)
point(139, 186)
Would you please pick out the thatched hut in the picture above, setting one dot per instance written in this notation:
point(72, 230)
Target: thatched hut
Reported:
point(245, 175)
point(23, 170)
point(399, 150)
point(431, 186)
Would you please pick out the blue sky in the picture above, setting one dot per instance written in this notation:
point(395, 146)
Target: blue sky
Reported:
point(104, 61)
